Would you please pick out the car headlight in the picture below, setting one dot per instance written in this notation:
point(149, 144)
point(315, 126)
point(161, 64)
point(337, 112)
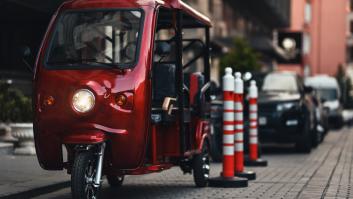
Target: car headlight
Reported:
point(286, 106)
point(83, 101)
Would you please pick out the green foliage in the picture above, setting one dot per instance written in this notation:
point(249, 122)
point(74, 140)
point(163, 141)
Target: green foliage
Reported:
point(242, 58)
point(14, 106)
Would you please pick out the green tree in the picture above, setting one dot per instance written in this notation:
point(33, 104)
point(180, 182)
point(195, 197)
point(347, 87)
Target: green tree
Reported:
point(241, 58)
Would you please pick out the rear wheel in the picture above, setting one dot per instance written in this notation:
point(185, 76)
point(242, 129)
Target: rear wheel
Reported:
point(201, 167)
point(83, 175)
point(115, 181)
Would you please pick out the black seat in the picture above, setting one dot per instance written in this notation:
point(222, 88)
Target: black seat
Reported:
point(163, 86)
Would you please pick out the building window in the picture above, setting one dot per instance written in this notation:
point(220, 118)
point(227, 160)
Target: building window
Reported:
point(306, 43)
point(308, 12)
point(210, 6)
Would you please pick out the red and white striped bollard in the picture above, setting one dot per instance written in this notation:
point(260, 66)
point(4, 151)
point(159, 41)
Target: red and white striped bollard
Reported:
point(228, 128)
point(253, 159)
point(227, 178)
point(239, 129)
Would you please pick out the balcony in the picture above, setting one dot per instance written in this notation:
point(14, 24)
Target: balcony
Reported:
point(271, 13)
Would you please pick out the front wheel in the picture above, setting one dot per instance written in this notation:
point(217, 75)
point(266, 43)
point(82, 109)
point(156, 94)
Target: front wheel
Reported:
point(316, 137)
point(83, 175)
point(201, 167)
point(304, 144)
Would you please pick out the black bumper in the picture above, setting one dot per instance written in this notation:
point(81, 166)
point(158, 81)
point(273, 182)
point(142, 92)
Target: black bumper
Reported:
point(280, 127)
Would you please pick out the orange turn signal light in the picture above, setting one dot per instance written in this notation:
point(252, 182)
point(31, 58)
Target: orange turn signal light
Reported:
point(49, 101)
point(121, 100)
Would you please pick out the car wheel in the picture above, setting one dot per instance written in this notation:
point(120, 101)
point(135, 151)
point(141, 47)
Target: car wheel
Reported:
point(316, 138)
point(201, 167)
point(304, 143)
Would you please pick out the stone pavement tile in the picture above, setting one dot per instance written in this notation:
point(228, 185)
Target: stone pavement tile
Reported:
point(325, 172)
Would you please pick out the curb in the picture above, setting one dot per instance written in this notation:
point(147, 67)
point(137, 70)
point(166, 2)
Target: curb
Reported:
point(37, 191)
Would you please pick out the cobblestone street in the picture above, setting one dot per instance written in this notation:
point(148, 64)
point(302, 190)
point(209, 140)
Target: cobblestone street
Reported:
point(325, 173)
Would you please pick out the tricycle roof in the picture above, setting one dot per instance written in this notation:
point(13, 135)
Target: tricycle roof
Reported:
point(192, 15)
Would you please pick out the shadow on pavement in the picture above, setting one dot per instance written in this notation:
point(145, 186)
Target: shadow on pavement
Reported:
point(278, 149)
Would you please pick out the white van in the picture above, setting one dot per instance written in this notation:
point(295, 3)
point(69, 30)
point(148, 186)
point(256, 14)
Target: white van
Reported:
point(329, 92)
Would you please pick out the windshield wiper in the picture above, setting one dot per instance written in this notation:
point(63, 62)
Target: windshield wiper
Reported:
point(82, 61)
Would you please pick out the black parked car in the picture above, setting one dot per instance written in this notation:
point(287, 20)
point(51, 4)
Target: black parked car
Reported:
point(287, 111)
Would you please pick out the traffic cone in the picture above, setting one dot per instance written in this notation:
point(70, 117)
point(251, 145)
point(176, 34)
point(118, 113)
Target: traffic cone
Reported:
point(227, 178)
point(239, 130)
point(253, 159)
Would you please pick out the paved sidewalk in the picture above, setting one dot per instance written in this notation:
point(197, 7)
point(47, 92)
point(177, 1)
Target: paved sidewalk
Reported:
point(325, 173)
point(23, 173)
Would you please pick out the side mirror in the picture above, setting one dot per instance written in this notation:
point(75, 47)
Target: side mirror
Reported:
point(308, 89)
point(163, 48)
point(25, 53)
point(247, 76)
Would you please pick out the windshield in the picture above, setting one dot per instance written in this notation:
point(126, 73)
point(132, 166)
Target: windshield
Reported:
point(280, 82)
point(96, 38)
point(328, 94)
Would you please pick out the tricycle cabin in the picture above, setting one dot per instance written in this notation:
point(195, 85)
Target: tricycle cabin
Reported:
point(119, 92)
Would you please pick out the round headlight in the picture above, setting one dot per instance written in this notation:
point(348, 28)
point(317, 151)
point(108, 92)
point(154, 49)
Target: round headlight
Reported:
point(83, 101)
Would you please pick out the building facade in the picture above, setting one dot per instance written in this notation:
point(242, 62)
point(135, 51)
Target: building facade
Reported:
point(323, 24)
point(252, 20)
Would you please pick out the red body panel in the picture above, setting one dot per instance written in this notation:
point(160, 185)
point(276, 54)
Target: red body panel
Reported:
point(126, 128)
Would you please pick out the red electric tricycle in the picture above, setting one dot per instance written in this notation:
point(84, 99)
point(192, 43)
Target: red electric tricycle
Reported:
point(116, 88)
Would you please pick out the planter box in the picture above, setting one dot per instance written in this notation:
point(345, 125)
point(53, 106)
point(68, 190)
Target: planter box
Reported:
point(24, 133)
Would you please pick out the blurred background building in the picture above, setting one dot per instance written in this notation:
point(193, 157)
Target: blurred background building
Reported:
point(24, 23)
point(321, 26)
point(307, 36)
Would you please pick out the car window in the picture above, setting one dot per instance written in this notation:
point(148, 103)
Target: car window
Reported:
point(280, 82)
point(328, 94)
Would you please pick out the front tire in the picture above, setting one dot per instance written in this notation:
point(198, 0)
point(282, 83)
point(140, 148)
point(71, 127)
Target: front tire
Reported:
point(316, 138)
point(201, 167)
point(82, 177)
point(304, 144)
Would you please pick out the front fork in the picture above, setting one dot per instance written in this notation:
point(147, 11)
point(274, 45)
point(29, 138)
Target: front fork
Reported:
point(99, 167)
